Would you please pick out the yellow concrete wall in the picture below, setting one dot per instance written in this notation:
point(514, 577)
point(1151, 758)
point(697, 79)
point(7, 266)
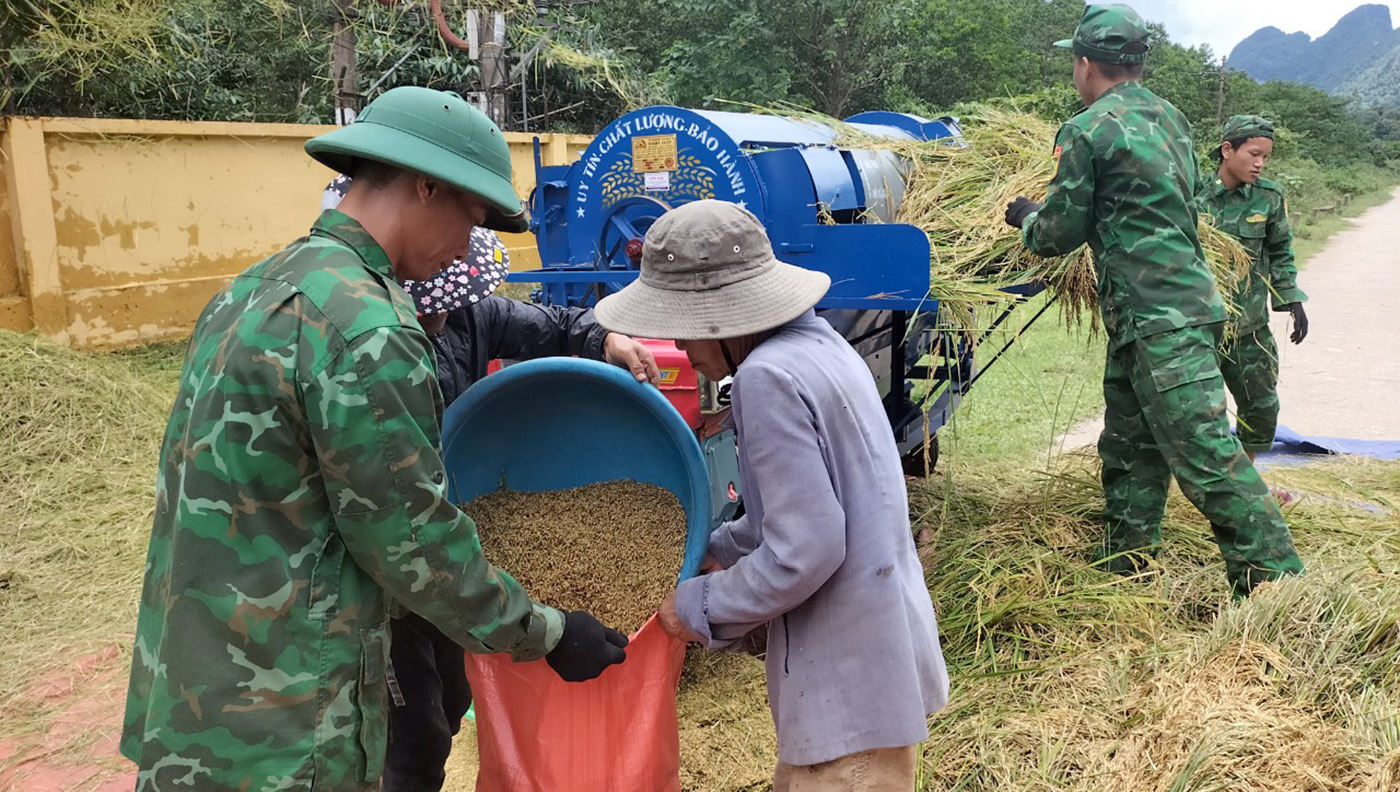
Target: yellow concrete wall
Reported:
point(116, 232)
point(14, 307)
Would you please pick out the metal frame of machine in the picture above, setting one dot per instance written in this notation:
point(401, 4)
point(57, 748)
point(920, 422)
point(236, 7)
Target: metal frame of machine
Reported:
point(825, 207)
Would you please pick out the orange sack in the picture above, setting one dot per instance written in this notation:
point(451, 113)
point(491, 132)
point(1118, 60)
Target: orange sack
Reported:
point(538, 733)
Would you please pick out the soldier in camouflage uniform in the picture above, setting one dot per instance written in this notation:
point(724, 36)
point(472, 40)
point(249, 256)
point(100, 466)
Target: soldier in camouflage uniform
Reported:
point(1251, 208)
point(1124, 183)
point(469, 327)
point(301, 488)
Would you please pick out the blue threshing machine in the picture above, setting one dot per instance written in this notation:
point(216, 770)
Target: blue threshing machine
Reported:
point(825, 207)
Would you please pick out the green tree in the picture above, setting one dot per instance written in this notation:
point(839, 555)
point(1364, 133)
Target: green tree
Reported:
point(969, 50)
point(1187, 77)
point(961, 50)
point(239, 60)
point(1324, 128)
point(59, 47)
point(1038, 24)
point(740, 55)
point(833, 55)
point(846, 49)
point(399, 45)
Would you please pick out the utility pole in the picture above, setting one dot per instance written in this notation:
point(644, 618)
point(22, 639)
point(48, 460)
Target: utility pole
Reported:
point(343, 74)
point(485, 43)
point(1220, 95)
point(494, 71)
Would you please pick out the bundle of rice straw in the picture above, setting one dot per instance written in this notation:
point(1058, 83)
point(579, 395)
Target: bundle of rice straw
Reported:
point(958, 195)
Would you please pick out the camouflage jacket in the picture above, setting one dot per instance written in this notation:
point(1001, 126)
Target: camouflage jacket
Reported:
point(1125, 183)
point(300, 487)
point(1257, 215)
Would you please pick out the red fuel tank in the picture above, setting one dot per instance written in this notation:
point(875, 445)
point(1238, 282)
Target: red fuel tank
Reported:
point(679, 383)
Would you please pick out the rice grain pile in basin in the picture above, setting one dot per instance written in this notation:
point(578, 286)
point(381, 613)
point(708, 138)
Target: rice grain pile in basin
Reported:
point(612, 549)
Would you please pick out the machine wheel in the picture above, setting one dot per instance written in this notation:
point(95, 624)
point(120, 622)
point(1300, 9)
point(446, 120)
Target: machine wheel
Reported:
point(629, 219)
point(913, 461)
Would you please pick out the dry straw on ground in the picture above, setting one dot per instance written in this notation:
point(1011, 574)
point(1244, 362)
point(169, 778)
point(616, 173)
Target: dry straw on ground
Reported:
point(1064, 678)
point(79, 437)
point(612, 549)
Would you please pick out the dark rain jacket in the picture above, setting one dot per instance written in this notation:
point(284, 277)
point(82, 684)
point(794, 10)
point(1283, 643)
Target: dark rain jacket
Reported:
point(498, 327)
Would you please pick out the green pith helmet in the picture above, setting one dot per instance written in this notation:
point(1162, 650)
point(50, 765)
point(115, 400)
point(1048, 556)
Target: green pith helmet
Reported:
point(1110, 34)
point(435, 133)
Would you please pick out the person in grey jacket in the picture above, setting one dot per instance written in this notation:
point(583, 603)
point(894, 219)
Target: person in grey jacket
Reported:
point(824, 555)
point(468, 328)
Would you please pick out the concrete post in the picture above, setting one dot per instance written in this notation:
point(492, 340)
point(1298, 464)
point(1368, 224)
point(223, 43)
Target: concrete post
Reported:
point(32, 223)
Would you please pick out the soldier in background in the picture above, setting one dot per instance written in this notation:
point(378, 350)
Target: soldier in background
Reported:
point(1125, 183)
point(1253, 209)
point(301, 488)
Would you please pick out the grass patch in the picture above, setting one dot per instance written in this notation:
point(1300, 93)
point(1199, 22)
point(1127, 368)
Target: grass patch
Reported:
point(516, 291)
point(1044, 384)
point(1310, 186)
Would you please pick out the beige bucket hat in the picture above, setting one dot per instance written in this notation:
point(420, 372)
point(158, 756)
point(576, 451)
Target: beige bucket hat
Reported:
point(708, 272)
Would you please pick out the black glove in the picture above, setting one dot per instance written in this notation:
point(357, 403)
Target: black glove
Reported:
point(1018, 210)
point(586, 648)
point(1300, 323)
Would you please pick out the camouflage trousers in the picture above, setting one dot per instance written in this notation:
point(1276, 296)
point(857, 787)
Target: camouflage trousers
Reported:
point(1249, 365)
point(1164, 417)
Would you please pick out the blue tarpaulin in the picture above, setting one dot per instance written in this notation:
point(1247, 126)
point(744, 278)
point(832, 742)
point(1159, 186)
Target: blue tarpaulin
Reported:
point(1289, 443)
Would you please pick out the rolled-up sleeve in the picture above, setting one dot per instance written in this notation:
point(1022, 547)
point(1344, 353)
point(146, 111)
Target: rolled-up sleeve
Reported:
point(373, 410)
point(803, 525)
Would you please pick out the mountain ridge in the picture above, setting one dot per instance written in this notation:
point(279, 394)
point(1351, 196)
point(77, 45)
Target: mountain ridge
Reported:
point(1358, 56)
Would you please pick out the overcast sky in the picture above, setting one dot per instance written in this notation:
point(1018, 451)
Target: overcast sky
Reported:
point(1224, 23)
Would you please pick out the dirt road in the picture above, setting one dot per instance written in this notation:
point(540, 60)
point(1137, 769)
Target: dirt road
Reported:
point(1344, 379)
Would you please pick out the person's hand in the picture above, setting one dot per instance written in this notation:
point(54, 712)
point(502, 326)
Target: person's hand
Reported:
point(672, 624)
point(1300, 323)
point(1018, 210)
point(631, 354)
point(710, 565)
point(586, 648)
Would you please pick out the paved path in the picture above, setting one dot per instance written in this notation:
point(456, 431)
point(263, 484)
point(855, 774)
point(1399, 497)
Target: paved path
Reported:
point(1344, 379)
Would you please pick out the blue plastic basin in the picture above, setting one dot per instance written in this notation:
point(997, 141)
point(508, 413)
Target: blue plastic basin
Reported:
point(559, 423)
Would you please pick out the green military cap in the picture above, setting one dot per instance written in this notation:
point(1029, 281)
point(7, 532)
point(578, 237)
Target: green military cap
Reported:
point(435, 133)
point(1241, 127)
point(1110, 34)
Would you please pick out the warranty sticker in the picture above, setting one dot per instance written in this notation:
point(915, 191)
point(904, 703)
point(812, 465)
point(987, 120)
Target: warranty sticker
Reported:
point(657, 182)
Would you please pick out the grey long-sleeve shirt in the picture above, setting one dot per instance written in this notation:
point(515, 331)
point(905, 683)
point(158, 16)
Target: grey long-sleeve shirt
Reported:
point(824, 555)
